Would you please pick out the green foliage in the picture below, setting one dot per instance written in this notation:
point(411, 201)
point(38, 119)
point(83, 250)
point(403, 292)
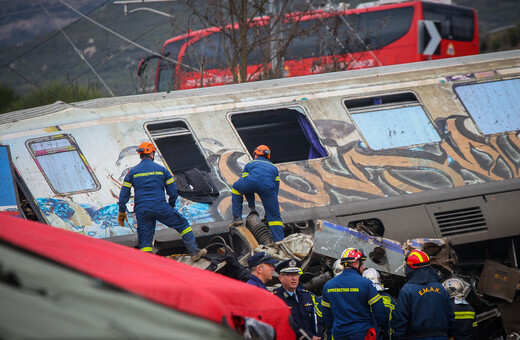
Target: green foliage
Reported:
point(7, 97)
point(49, 94)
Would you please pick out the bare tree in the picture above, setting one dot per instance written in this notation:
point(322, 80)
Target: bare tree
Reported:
point(245, 33)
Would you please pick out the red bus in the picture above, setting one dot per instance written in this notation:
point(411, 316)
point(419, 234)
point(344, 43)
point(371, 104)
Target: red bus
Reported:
point(334, 40)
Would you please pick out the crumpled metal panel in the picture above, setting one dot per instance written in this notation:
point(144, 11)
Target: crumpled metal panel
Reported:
point(382, 254)
point(293, 246)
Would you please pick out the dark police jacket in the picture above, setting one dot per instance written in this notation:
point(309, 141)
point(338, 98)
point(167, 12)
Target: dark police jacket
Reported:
point(302, 310)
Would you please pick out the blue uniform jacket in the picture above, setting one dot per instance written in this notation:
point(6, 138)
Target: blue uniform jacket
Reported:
point(465, 322)
point(255, 281)
point(262, 174)
point(350, 304)
point(149, 180)
point(424, 308)
point(389, 303)
point(302, 311)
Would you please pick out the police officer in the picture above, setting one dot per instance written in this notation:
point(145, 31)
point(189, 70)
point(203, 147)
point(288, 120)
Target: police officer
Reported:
point(259, 176)
point(465, 322)
point(389, 302)
point(298, 299)
point(424, 309)
point(261, 266)
point(149, 180)
point(350, 304)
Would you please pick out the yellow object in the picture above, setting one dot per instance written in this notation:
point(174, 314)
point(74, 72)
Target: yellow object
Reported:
point(121, 218)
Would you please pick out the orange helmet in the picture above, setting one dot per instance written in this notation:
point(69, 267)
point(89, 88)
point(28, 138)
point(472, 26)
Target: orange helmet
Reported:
point(145, 147)
point(417, 259)
point(351, 255)
point(262, 150)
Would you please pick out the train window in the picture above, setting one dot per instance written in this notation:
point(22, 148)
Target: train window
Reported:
point(177, 146)
point(392, 121)
point(63, 165)
point(494, 106)
point(287, 132)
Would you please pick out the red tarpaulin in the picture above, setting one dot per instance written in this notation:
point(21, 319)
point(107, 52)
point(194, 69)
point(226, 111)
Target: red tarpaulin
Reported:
point(176, 285)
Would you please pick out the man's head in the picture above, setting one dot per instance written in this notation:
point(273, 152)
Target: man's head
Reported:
point(417, 259)
point(289, 274)
point(262, 150)
point(146, 150)
point(261, 265)
point(353, 258)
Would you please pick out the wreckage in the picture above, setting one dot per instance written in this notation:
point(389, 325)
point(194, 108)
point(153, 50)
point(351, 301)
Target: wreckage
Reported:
point(416, 155)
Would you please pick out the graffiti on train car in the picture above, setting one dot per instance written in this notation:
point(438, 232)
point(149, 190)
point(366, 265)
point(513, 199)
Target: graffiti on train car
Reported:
point(353, 173)
point(462, 158)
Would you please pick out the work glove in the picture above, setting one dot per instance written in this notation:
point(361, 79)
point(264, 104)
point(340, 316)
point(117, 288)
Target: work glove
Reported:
point(121, 218)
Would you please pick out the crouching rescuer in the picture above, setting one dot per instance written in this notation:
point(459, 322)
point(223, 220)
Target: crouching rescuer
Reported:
point(149, 181)
point(259, 176)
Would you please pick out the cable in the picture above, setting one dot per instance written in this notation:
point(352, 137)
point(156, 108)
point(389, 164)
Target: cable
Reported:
point(119, 50)
point(78, 51)
point(133, 42)
point(49, 38)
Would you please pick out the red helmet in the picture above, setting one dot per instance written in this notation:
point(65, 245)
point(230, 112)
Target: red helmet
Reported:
point(417, 259)
point(262, 150)
point(351, 255)
point(145, 147)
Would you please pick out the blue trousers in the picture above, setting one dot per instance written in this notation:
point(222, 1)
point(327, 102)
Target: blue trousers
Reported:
point(167, 215)
point(269, 199)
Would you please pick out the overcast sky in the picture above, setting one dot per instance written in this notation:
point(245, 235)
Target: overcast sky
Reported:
point(22, 20)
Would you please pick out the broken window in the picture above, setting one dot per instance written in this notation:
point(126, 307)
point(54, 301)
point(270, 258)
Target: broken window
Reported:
point(494, 106)
point(178, 146)
point(287, 132)
point(63, 165)
point(392, 121)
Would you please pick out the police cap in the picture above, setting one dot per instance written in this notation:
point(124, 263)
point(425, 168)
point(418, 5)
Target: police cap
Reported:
point(289, 266)
point(259, 258)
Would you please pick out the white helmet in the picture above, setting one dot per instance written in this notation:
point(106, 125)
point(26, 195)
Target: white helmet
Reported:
point(373, 275)
point(455, 287)
point(337, 267)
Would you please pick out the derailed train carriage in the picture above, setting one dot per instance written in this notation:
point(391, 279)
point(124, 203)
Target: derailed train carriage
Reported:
point(422, 150)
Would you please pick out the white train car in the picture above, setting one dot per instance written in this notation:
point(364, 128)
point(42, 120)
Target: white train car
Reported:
point(428, 149)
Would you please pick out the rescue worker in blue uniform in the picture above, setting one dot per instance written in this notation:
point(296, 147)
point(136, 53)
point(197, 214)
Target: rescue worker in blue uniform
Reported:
point(389, 302)
point(298, 299)
point(261, 266)
point(350, 304)
point(423, 309)
point(465, 321)
point(259, 176)
point(149, 181)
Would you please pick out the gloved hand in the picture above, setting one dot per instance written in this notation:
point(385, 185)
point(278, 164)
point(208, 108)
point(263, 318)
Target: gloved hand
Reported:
point(121, 218)
point(172, 200)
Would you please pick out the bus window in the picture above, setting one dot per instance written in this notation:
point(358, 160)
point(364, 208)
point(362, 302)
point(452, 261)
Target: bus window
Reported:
point(392, 121)
point(166, 74)
point(494, 106)
point(457, 22)
point(177, 146)
point(206, 52)
point(287, 132)
point(62, 164)
point(334, 35)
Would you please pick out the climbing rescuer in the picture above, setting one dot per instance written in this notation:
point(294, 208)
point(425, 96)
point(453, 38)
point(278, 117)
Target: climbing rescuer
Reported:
point(149, 181)
point(259, 176)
